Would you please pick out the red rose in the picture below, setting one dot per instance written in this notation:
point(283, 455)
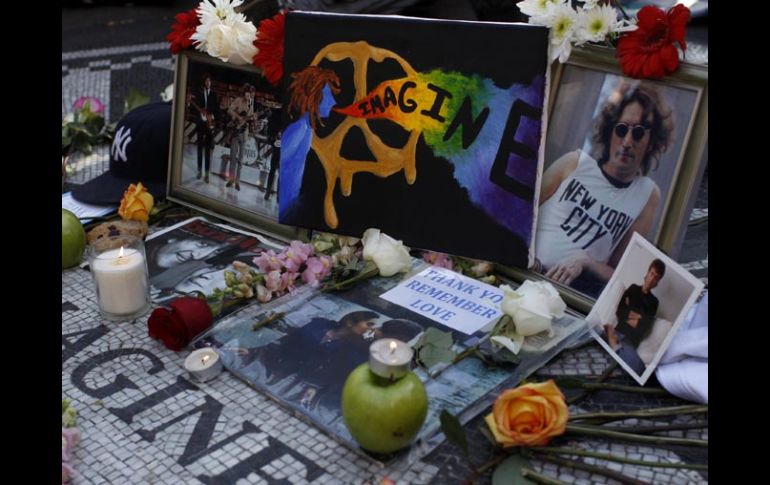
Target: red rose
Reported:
point(187, 318)
point(182, 30)
point(650, 50)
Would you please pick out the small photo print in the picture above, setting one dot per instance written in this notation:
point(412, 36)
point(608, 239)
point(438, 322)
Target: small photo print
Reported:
point(642, 307)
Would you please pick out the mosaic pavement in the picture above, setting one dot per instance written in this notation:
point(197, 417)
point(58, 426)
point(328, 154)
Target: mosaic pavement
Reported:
point(144, 421)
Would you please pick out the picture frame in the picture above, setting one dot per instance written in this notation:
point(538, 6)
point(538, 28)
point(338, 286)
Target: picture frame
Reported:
point(245, 193)
point(643, 271)
point(579, 90)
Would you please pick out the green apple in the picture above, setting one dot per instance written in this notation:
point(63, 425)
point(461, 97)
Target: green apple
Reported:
point(383, 416)
point(73, 239)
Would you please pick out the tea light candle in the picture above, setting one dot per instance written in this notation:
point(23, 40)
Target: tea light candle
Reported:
point(390, 358)
point(121, 280)
point(203, 364)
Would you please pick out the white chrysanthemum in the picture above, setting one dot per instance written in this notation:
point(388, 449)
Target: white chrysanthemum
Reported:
point(216, 11)
point(561, 19)
point(596, 23)
point(536, 7)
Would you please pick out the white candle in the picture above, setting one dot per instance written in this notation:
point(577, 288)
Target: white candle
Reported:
point(203, 364)
point(121, 280)
point(390, 358)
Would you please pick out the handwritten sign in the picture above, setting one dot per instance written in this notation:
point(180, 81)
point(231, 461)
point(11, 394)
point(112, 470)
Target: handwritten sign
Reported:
point(449, 298)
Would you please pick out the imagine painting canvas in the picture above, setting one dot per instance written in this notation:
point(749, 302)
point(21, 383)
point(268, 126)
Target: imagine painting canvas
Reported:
point(430, 130)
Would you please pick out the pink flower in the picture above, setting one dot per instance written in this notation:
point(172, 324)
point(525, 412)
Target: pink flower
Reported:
point(94, 105)
point(273, 280)
point(263, 294)
point(67, 472)
point(69, 438)
point(287, 281)
point(317, 268)
point(442, 260)
point(268, 261)
point(296, 254)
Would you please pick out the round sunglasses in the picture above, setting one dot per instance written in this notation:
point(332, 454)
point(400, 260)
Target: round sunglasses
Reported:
point(637, 131)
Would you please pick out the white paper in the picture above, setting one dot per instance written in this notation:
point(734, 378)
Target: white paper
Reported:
point(449, 298)
point(85, 211)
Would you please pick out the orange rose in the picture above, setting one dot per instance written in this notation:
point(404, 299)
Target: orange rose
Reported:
point(528, 415)
point(136, 204)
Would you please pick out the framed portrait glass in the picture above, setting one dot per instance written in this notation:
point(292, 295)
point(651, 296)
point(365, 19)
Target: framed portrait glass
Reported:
point(622, 156)
point(225, 143)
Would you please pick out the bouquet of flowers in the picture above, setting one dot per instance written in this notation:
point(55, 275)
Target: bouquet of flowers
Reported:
point(646, 46)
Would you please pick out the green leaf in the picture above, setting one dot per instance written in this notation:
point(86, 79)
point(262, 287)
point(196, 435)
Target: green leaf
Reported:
point(436, 337)
point(453, 430)
point(506, 356)
point(433, 347)
point(134, 99)
point(430, 355)
point(509, 471)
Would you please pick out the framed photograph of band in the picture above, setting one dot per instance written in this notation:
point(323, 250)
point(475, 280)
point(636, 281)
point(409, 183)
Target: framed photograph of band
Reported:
point(621, 156)
point(225, 143)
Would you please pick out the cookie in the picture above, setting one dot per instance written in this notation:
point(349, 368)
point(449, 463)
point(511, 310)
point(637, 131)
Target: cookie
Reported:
point(117, 228)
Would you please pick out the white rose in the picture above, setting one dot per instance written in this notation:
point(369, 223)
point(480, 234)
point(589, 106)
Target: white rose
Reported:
point(548, 293)
point(389, 255)
point(532, 306)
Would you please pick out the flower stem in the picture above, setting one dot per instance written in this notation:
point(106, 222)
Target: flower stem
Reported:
point(595, 386)
point(657, 440)
point(265, 321)
point(494, 461)
point(368, 271)
point(586, 392)
point(619, 459)
point(622, 10)
point(645, 413)
point(537, 477)
point(579, 465)
point(657, 429)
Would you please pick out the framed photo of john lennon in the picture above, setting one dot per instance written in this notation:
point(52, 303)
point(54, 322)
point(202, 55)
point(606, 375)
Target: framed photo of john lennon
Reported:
point(225, 148)
point(621, 156)
point(416, 127)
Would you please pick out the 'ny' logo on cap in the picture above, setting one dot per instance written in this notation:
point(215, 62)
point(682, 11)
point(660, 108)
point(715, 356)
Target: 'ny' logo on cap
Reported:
point(120, 143)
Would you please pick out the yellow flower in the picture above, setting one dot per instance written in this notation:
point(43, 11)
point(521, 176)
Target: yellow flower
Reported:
point(136, 204)
point(529, 415)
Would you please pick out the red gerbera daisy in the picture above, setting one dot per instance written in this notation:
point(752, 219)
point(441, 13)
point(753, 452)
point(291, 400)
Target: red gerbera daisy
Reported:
point(182, 30)
point(269, 41)
point(650, 50)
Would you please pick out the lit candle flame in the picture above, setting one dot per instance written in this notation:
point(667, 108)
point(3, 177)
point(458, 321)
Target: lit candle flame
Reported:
point(120, 254)
point(393, 346)
point(205, 358)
